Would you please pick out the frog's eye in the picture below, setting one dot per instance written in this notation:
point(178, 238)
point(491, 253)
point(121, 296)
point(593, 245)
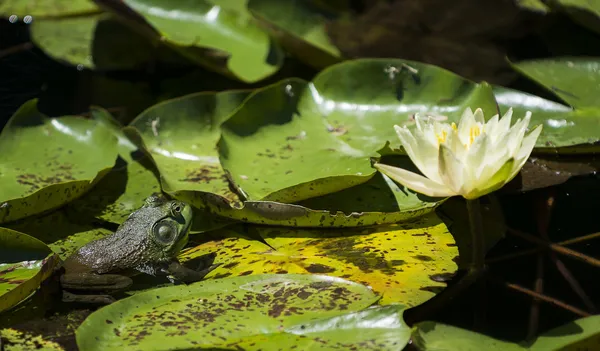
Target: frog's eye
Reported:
point(176, 208)
point(165, 232)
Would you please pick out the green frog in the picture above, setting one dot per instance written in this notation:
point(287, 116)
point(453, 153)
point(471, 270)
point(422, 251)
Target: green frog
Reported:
point(147, 242)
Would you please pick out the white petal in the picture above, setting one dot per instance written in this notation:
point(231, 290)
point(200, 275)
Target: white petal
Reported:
point(491, 125)
point(415, 181)
point(421, 152)
point(464, 125)
point(504, 123)
point(526, 149)
point(451, 169)
point(529, 142)
point(495, 182)
point(478, 116)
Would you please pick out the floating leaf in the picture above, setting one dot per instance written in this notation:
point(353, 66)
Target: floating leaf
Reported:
point(274, 145)
point(46, 8)
point(433, 336)
point(60, 232)
point(223, 38)
point(585, 12)
point(573, 79)
point(15, 340)
point(563, 126)
point(299, 27)
point(214, 313)
point(406, 263)
point(125, 188)
point(94, 41)
point(580, 335)
point(547, 170)
point(378, 328)
point(24, 263)
point(47, 162)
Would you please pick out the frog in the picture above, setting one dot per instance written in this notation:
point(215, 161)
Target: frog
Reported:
point(148, 241)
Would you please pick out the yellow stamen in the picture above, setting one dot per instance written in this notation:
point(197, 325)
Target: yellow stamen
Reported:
point(474, 132)
point(441, 137)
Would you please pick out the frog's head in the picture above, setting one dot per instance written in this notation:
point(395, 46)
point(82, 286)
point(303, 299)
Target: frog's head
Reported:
point(169, 223)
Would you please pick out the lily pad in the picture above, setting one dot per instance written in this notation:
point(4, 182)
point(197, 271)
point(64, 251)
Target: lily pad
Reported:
point(212, 314)
point(573, 79)
point(376, 328)
point(299, 27)
point(125, 188)
point(406, 263)
point(433, 336)
point(273, 147)
point(585, 12)
point(46, 8)
point(563, 125)
point(94, 41)
point(47, 162)
point(60, 232)
point(223, 38)
point(15, 340)
point(581, 334)
point(24, 263)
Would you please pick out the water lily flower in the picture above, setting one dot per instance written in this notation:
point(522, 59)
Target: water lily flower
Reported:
point(471, 160)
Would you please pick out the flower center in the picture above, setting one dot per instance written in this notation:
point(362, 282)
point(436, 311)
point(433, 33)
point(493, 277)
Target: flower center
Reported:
point(474, 132)
point(443, 135)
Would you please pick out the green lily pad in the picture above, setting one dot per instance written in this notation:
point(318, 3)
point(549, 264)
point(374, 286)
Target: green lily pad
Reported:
point(584, 12)
point(60, 232)
point(563, 126)
point(24, 263)
point(47, 162)
point(573, 79)
point(433, 336)
point(223, 38)
point(215, 313)
point(581, 334)
point(125, 188)
point(94, 41)
point(15, 340)
point(46, 8)
point(274, 146)
point(377, 328)
point(299, 27)
point(406, 263)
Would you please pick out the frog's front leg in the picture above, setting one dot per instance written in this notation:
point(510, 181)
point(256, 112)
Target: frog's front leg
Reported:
point(177, 272)
point(92, 288)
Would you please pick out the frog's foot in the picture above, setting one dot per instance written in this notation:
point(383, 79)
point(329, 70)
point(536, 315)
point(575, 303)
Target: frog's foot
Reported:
point(179, 273)
point(87, 299)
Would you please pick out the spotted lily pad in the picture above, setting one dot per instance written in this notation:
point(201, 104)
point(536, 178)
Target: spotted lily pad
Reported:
point(273, 148)
point(223, 38)
point(376, 328)
point(24, 263)
point(215, 313)
point(47, 162)
point(406, 263)
point(15, 340)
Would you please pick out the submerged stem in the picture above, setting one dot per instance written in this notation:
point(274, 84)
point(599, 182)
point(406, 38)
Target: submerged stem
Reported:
point(477, 239)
